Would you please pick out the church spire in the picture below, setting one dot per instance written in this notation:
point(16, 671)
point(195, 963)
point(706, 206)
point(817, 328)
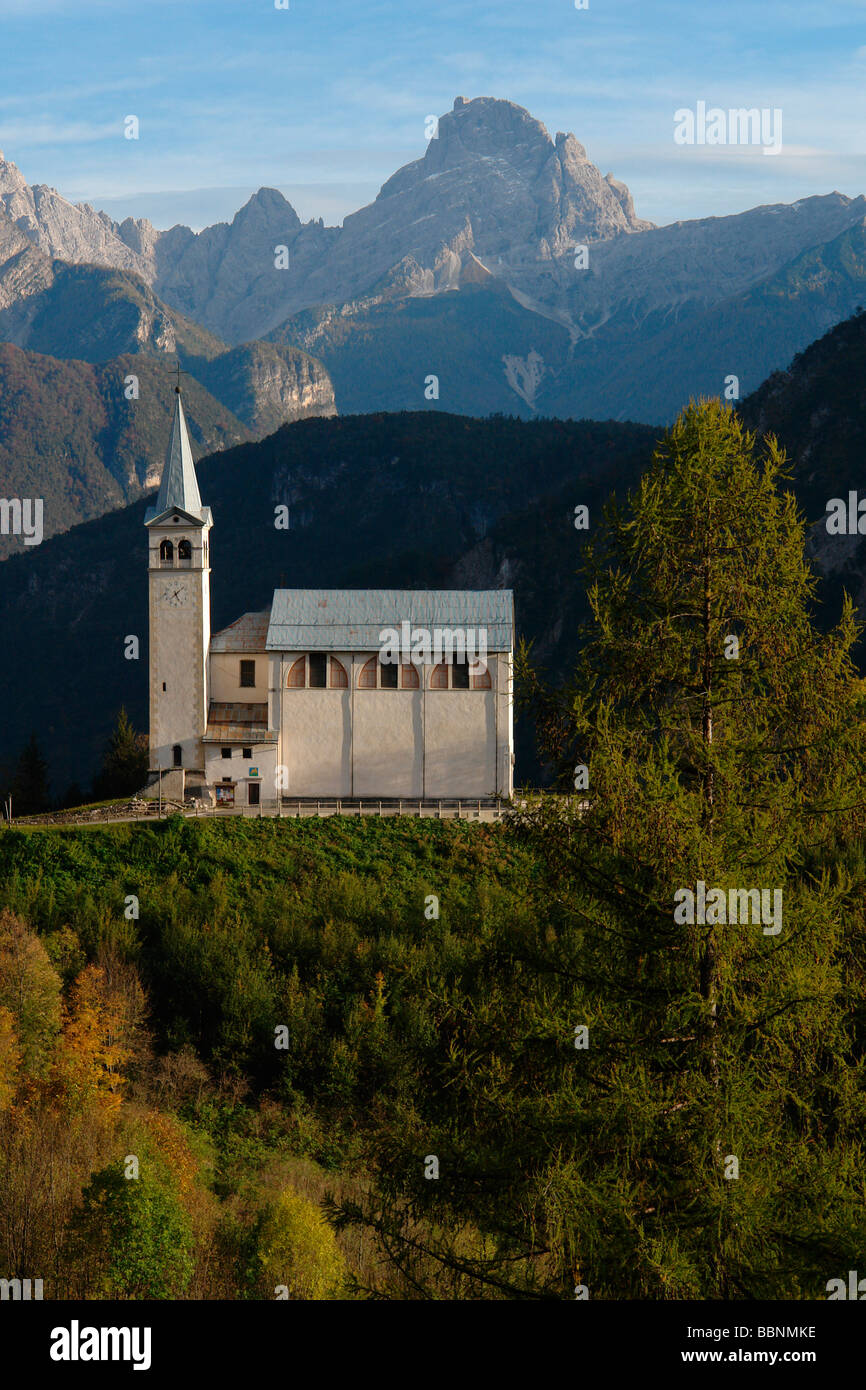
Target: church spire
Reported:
point(179, 486)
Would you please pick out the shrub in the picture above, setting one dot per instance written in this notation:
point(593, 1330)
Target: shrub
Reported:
point(298, 1249)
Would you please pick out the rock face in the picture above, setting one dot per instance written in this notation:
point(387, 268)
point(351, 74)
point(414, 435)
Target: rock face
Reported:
point(67, 231)
point(96, 313)
point(492, 185)
point(267, 386)
point(85, 311)
point(24, 271)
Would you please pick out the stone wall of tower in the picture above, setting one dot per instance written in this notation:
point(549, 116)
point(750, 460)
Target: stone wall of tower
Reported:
point(179, 637)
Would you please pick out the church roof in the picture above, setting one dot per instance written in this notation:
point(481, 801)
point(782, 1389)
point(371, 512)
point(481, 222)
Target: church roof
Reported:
point(178, 488)
point(249, 633)
point(238, 723)
point(352, 619)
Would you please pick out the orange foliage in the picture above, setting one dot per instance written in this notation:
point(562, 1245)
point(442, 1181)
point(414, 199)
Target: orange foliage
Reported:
point(92, 1051)
point(10, 1058)
point(173, 1148)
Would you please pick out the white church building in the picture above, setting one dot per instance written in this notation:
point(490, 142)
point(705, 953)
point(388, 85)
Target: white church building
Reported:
point(328, 694)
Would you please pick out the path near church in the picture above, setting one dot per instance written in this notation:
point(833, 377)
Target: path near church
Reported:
point(293, 811)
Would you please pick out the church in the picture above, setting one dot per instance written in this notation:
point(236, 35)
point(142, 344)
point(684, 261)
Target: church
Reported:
point(328, 694)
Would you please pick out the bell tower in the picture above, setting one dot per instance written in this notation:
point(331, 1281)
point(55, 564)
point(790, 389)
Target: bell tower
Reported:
point(178, 528)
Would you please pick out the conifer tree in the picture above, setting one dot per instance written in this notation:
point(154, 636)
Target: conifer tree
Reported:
point(124, 765)
point(722, 737)
point(638, 1104)
point(30, 793)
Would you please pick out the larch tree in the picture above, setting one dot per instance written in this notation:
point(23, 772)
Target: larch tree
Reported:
point(715, 740)
point(656, 1088)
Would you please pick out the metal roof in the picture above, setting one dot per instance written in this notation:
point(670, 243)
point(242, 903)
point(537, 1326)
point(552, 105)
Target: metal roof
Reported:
point(352, 619)
point(238, 723)
point(179, 486)
point(249, 633)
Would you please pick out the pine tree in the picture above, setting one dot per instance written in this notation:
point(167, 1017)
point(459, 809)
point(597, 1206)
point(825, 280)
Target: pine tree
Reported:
point(30, 793)
point(124, 765)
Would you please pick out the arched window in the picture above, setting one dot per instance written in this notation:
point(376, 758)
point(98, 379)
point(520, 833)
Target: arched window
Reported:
point(460, 676)
point(166, 553)
point(177, 755)
point(480, 674)
point(184, 552)
point(376, 674)
point(316, 671)
point(367, 674)
point(297, 678)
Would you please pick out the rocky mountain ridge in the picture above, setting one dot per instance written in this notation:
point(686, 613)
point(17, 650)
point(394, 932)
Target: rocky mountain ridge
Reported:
point(465, 266)
point(492, 186)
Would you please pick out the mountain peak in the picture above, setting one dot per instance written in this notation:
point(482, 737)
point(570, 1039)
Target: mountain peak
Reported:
point(524, 194)
point(484, 126)
point(268, 203)
point(11, 178)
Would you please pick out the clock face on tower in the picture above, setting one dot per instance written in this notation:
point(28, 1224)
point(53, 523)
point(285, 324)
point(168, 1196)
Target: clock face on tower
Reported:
point(174, 594)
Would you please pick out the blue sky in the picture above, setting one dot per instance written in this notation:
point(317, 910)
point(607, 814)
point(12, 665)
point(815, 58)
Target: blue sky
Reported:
point(326, 99)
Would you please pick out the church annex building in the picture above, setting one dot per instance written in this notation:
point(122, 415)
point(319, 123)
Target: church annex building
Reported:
point(329, 693)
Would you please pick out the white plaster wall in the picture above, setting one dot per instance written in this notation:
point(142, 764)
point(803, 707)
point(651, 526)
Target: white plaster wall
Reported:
point(315, 741)
point(388, 743)
point(503, 681)
point(237, 768)
point(460, 751)
point(372, 743)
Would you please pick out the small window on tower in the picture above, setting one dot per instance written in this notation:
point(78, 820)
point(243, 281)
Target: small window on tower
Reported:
point(248, 674)
point(318, 670)
point(166, 553)
point(184, 553)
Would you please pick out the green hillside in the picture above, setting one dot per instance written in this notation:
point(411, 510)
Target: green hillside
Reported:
point(69, 435)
